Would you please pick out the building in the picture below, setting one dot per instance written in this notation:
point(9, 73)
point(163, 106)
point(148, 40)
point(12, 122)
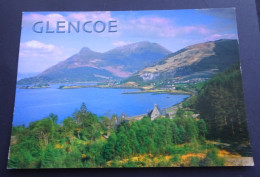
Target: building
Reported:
point(156, 112)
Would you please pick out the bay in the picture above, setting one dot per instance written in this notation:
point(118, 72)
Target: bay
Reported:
point(35, 104)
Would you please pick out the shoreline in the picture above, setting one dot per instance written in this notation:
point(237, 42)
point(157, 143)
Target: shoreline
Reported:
point(175, 92)
point(141, 89)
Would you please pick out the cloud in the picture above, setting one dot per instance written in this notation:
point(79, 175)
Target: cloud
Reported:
point(38, 45)
point(90, 16)
point(36, 56)
point(120, 43)
point(221, 36)
point(37, 48)
point(52, 18)
point(160, 27)
point(30, 19)
point(40, 54)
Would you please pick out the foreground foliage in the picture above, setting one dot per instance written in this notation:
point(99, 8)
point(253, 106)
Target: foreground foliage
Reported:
point(86, 140)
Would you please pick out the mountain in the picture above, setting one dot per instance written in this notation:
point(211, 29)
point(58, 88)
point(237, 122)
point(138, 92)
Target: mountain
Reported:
point(194, 62)
point(135, 57)
point(88, 65)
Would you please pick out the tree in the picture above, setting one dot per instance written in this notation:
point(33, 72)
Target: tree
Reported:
point(122, 144)
point(44, 130)
point(175, 133)
point(83, 108)
point(202, 127)
point(48, 158)
point(69, 127)
point(220, 103)
point(106, 124)
point(109, 150)
point(134, 144)
point(53, 117)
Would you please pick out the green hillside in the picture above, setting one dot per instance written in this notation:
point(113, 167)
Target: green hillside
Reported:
point(220, 103)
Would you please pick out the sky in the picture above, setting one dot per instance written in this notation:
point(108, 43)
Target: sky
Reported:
point(172, 29)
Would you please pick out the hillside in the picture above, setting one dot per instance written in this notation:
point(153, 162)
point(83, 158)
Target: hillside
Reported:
point(220, 103)
point(193, 62)
point(88, 65)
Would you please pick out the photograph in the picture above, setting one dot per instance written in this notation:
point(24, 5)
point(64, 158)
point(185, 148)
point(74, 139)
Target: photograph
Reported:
point(129, 89)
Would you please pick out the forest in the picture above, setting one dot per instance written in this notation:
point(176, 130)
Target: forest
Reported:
point(85, 140)
point(220, 102)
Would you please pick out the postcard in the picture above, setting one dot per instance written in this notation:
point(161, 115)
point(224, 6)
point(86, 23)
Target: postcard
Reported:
point(116, 89)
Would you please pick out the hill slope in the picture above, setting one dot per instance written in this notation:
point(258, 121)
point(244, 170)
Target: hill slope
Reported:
point(196, 61)
point(220, 103)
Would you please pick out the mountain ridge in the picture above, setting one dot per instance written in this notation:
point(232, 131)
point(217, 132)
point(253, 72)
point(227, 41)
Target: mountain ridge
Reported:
point(196, 61)
point(142, 62)
point(120, 62)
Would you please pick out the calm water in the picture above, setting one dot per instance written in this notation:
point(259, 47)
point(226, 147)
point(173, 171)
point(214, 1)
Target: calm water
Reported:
point(35, 104)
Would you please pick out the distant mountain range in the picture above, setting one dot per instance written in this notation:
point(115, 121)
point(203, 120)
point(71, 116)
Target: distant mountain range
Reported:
point(142, 62)
point(193, 62)
point(88, 65)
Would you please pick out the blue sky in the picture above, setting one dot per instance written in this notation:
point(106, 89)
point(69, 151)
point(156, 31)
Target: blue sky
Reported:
point(173, 29)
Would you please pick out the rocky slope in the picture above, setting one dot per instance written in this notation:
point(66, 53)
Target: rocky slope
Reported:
point(196, 61)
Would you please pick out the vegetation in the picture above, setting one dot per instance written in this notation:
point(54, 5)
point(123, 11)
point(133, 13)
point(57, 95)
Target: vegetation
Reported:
point(85, 140)
point(220, 102)
point(37, 86)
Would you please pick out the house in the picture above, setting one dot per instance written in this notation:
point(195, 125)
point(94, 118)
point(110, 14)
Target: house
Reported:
point(156, 112)
point(153, 114)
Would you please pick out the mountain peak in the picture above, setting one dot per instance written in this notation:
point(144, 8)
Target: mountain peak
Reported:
point(140, 47)
point(140, 44)
point(86, 50)
point(143, 43)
